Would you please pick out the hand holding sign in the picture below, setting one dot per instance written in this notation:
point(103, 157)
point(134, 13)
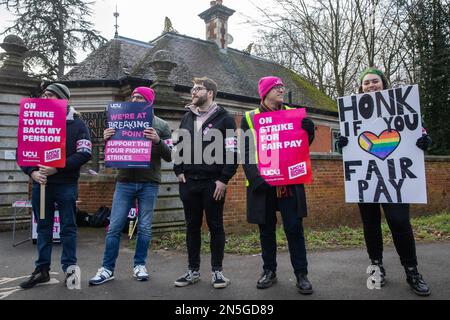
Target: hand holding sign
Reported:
point(39, 177)
point(108, 133)
point(151, 134)
point(47, 171)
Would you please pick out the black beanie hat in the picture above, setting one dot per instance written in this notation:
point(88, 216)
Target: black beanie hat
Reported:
point(60, 90)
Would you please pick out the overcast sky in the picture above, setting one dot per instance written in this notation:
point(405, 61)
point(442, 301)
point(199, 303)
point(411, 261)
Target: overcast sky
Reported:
point(144, 19)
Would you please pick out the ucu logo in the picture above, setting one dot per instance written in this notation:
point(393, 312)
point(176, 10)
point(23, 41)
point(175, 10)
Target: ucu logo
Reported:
point(115, 105)
point(271, 172)
point(29, 154)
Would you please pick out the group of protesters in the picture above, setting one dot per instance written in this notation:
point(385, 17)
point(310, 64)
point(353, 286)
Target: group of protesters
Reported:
point(202, 189)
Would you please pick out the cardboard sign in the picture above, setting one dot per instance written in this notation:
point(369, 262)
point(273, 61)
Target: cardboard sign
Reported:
point(283, 148)
point(382, 163)
point(128, 148)
point(42, 133)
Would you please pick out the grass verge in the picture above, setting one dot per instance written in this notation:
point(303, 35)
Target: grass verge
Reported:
point(426, 229)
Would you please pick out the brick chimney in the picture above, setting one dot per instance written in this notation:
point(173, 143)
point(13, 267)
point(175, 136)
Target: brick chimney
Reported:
point(216, 19)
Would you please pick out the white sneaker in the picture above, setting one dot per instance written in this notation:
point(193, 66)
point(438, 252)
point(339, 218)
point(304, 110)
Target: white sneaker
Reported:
point(190, 277)
point(103, 275)
point(140, 273)
point(218, 280)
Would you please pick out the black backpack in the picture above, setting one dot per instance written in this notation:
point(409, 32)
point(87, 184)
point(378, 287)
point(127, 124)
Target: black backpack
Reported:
point(82, 218)
point(100, 218)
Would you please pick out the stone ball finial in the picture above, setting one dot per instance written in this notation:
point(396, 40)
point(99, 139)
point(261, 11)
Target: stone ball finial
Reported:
point(162, 64)
point(13, 39)
point(163, 55)
point(13, 44)
point(13, 57)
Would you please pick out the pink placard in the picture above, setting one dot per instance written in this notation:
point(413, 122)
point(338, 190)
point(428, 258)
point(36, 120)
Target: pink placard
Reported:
point(283, 148)
point(42, 133)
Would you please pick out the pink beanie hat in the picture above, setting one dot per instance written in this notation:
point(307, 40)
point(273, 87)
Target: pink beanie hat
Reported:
point(266, 84)
point(146, 92)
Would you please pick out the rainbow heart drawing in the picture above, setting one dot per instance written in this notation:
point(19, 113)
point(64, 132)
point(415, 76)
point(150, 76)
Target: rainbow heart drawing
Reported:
point(380, 146)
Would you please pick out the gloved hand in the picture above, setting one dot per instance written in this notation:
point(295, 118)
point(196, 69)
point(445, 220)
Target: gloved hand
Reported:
point(424, 142)
point(308, 126)
point(341, 141)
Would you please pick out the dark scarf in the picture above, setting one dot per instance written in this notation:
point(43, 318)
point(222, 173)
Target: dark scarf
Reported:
point(265, 108)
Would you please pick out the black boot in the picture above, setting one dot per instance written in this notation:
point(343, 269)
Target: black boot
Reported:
point(39, 275)
point(303, 284)
point(379, 264)
point(415, 281)
point(267, 279)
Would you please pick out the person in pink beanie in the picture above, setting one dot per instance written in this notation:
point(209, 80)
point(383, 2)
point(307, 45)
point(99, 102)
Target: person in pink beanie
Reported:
point(263, 200)
point(143, 94)
point(141, 184)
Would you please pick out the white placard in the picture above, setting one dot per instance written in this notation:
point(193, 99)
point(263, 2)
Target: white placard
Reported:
point(56, 227)
point(382, 163)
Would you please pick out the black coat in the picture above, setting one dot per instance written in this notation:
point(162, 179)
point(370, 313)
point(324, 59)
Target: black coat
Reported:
point(256, 196)
point(223, 171)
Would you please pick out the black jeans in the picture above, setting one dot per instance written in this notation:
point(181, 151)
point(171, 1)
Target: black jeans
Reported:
point(397, 217)
point(293, 228)
point(197, 196)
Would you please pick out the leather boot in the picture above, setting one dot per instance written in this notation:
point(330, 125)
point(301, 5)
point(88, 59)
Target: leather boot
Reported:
point(416, 282)
point(303, 284)
point(267, 279)
point(39, 275)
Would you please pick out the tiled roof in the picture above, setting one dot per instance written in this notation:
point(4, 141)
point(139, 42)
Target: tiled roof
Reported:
point(234, 71)
point(111, 61)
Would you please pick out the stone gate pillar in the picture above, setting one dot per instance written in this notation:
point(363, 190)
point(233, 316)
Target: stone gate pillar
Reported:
point(14, 85)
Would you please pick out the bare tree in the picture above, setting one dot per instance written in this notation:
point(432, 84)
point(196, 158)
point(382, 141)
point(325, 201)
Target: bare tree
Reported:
point(53, 29)
point(330, 41)
point(319, 40)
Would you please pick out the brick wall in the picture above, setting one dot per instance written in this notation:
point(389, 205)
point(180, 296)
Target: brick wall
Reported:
point(326, 200)
point(326, 206)
point(95, 192)
point(322, 140)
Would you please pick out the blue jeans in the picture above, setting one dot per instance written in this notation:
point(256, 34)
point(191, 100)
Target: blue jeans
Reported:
point(123, 201)
point(65, 196)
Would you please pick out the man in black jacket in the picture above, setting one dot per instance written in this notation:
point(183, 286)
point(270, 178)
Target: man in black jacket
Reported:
point(263, 200)
point(62, 189)
point(203, 181)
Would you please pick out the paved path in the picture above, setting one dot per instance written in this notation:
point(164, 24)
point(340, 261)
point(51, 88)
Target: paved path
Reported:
point(335, 274)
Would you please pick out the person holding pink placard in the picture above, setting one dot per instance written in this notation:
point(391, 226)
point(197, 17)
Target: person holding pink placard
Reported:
point(62, 189)
point(263, 200)
point(397, 214)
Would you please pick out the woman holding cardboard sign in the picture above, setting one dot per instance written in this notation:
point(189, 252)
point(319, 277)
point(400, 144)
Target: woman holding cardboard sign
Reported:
point(397, 214)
